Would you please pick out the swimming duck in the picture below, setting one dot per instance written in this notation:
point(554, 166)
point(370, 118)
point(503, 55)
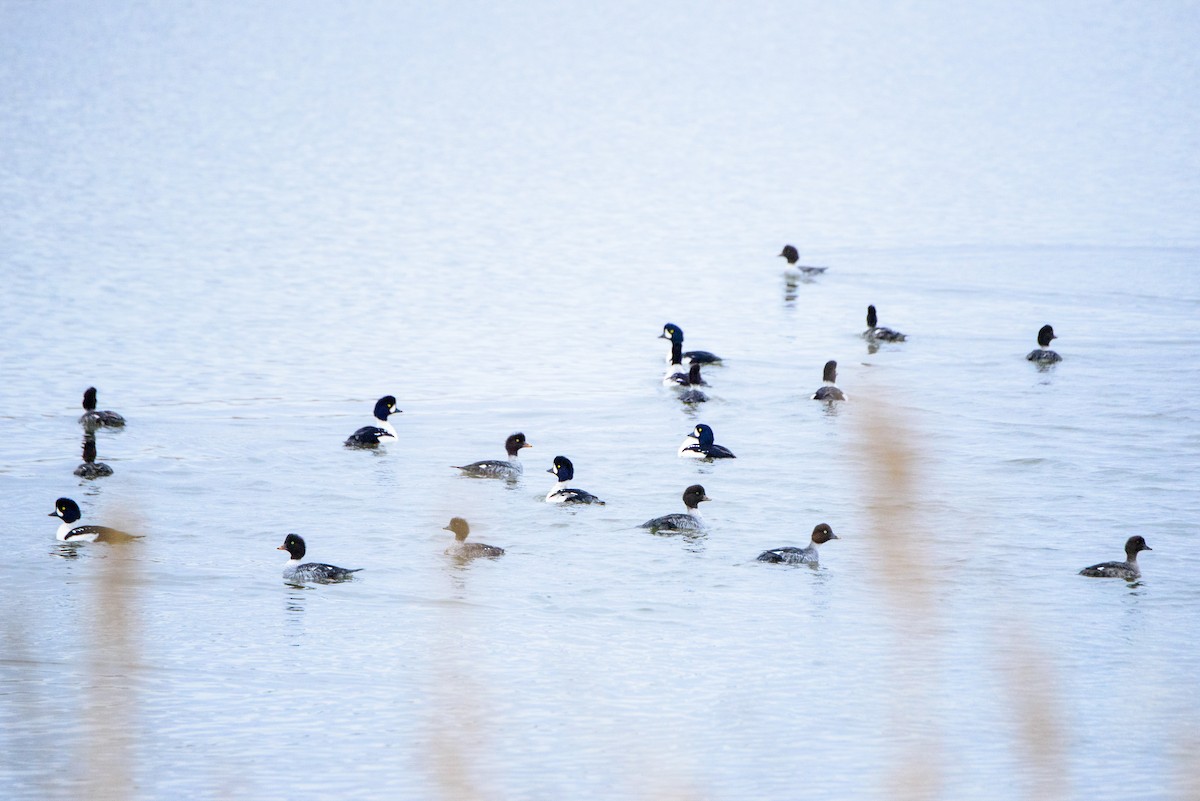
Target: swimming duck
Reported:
point(312, 571)
point(700, 445)
point(564, 471)
point(792, 255)
point(67, 511)
point(468, 550)
point(801, 556)
point(829, 392)
point(693, 496)
point(1128, 569)
point(678, 355)
point(495, 468)
point(1043, 355)
point(92, 419)
point(878, 333)
point(371, 436)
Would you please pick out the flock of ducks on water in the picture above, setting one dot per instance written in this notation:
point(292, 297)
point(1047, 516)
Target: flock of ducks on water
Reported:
point(683, 372)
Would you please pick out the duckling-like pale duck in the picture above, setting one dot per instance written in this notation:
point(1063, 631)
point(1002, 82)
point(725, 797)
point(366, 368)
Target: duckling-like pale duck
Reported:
point(468, 550)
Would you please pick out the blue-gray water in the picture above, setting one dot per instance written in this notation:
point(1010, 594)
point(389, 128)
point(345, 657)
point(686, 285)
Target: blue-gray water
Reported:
point(245, 224)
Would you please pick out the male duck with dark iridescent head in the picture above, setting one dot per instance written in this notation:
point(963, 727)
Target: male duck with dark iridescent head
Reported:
point(372, 436)
point(678, 355)
point(564, 471)
point(700, 444)
point(68, 512)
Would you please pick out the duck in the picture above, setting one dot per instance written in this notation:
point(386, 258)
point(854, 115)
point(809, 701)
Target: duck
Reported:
point(564, 471)
point(700, 445)
point(1128, 569)
point(468, 550)
point(829, 392)
point(67, 511)
point(312, 571)
point(678, 355)
point(792, 255)
point(878, 333)
point(821, 534)
point(688, 383)
point(676, 373)
point(691, 378)
point(693, 496)
point(372, 436)
point(1042, 355)
point(90, 467)
point(495, 468)
point(92, 419)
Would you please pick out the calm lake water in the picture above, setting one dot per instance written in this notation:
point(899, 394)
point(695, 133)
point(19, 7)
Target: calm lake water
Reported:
point(244, 225)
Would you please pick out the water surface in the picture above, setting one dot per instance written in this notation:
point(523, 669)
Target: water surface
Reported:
point(246, 225)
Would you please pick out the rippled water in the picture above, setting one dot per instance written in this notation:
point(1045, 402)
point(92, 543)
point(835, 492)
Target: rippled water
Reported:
point(244, 226)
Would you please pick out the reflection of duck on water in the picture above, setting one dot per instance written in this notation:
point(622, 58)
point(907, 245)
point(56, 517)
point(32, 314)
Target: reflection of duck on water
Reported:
point(90, 467)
